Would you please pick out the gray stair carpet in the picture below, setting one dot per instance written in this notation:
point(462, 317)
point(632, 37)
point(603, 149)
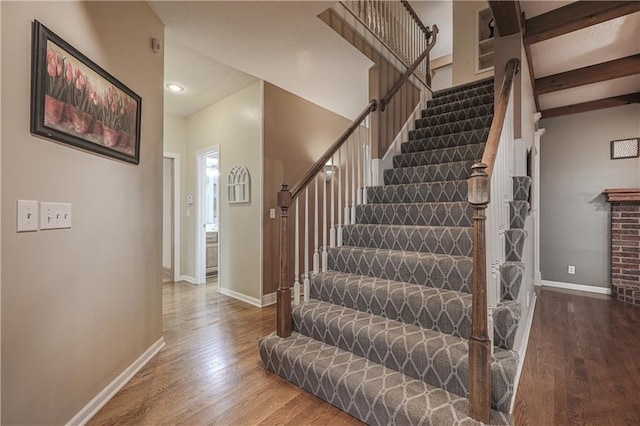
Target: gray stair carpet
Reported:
point(384, 333)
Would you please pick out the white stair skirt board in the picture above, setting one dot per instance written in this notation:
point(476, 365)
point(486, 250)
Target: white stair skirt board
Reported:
point(100, 400)
point(576, 287)
point(243, 297)
point(523, 351)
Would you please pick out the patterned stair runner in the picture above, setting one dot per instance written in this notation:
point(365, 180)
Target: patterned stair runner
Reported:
point(384, 334)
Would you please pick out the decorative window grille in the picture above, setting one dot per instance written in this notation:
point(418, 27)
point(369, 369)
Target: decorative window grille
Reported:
point(239, 185)
point(625, 148)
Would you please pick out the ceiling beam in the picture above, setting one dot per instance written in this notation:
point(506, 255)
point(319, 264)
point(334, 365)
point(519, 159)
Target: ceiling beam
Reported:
point(575, 16)
point(592, 74)
point(631, 98)
point(506, 15)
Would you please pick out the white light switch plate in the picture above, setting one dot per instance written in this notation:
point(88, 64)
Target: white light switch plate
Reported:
point(27, 216)
point(55, 215)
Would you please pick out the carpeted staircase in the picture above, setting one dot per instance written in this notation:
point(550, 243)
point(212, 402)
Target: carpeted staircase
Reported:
point(384, 334)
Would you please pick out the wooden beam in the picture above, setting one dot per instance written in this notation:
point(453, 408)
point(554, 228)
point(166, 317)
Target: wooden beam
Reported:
point(506, 15)
point(592, 74)
point(575, 16)
point(631, 98)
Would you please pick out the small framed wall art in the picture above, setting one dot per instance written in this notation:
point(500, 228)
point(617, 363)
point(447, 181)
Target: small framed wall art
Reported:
point(625, 148)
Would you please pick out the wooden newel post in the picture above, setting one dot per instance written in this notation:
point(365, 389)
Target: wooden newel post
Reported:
point(479, 343)
point(283, 317)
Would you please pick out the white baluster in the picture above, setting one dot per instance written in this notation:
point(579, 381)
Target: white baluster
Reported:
point(305, 282)
point(316, 253)
point(339, 230)
point(296, 259)
point(325, 241)
point(359, 160)
point(332, 182)
point(347, 212)
point(353, 181)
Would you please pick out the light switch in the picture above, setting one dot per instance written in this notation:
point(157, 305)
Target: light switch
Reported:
point(55, 215)
point(27, 216)
point(272, 213)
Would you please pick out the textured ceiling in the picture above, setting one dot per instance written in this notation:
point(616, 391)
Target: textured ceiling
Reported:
point(533, 8)
point(591, 92)
point(205, 80)
point(281, 42)
point(606, 41)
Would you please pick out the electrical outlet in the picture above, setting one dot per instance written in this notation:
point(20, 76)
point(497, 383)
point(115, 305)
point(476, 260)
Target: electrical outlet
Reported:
point(27, 216)
point(55, 215)
point(272, 213)
point(571, 270)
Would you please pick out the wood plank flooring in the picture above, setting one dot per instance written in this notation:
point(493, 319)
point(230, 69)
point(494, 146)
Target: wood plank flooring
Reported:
point(582, 367)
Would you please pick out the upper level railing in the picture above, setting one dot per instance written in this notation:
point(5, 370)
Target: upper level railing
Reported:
point(480, 191)
point(398, 27)
point(325, 200)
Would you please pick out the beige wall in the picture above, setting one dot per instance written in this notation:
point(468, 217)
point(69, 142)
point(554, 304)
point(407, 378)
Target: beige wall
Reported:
point(575, 169)
point(235, 124)
point(296, 133)
point(464, 49)
point(78, 305)
point(175, 141)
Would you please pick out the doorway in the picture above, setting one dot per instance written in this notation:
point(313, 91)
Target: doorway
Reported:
point(170, 217)
point(208, 227)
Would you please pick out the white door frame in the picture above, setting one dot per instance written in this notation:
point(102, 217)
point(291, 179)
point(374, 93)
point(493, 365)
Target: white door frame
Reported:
point(177, 212)
point(201, 252)
point(536, 205)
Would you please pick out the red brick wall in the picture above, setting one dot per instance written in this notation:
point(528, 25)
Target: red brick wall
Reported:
point(625, 251)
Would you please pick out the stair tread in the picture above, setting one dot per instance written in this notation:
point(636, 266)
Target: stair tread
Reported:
point(420, 192)
point(368, 391)
point(456, 213)
point(446, 311)
point(438, 106)
point(456, 126)
point(466, 152)
point(439, 172)
point(450, 140)
point(455, 115)
point(437, 358)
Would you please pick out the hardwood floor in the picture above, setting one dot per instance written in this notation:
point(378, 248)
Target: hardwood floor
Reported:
point(210, 371)
point(582, 367)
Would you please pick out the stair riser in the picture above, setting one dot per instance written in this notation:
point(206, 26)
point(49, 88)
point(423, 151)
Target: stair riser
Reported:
point(521, 186)
point(518, 212)
point(511, 276)
point(432, 173)
point(437, 359)
point(507, 317)
point(433, 214)
point(339, 378)
point(485, 99)
point(452, 241)
point(434, 192)
point(447, 155)
point(450, 273)
point(445, 141)
point(465, 114)
point(463, 88)
point(458, 96)
point(514, 244)
point(452, 127)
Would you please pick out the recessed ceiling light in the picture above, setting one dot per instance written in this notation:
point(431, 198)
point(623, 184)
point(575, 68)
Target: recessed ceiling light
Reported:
point(175, 87)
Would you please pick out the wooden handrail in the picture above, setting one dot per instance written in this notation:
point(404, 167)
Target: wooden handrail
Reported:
point(491, 148)
point(319, 165)
point(416, 18)
point(479, 191)
point(387, 98)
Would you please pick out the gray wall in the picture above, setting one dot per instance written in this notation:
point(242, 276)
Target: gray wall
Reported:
point(575, 168)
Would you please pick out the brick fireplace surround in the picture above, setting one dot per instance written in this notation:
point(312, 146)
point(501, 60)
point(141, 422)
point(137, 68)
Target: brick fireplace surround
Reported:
point(625, 244)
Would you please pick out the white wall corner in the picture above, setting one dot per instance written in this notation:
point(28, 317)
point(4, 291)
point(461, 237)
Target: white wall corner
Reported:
point(100, 400)
point(188, 278)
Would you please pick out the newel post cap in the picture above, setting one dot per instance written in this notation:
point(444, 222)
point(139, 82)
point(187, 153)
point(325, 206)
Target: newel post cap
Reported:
point(478, 185)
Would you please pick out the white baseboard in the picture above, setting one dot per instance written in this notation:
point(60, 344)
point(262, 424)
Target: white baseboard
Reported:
point(188, 278)
point(90, 410)
point(537, 278)
point(577, 287)
point(248, 299)
point(269, 299)
point(523, 351)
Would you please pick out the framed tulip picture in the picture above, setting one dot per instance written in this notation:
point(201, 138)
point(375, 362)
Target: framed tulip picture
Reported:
point(75, 101)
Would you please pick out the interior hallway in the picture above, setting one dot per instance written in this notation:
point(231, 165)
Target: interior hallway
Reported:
point(581, 367)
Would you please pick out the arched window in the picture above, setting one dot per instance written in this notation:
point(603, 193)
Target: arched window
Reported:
point(239, 185)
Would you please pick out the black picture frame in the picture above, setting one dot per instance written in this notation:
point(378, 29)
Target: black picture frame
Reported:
point(77, 102)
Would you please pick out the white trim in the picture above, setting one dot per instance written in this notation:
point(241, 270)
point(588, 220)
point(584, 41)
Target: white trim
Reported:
point(535, 208)
point(269, 299)
point(576, 287)
point(105, 395)
point(177, 212)
point(261, 183)
point(523, 351)
point(201, 253)
point(243, 297)
point(187, 278)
